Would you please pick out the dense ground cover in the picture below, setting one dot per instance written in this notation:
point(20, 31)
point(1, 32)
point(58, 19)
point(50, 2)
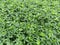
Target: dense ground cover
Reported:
point(29, 22)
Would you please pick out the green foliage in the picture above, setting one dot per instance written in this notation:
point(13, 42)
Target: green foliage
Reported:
point(29, 22)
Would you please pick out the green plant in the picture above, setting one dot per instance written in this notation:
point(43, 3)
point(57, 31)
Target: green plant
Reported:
point(29, 22)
